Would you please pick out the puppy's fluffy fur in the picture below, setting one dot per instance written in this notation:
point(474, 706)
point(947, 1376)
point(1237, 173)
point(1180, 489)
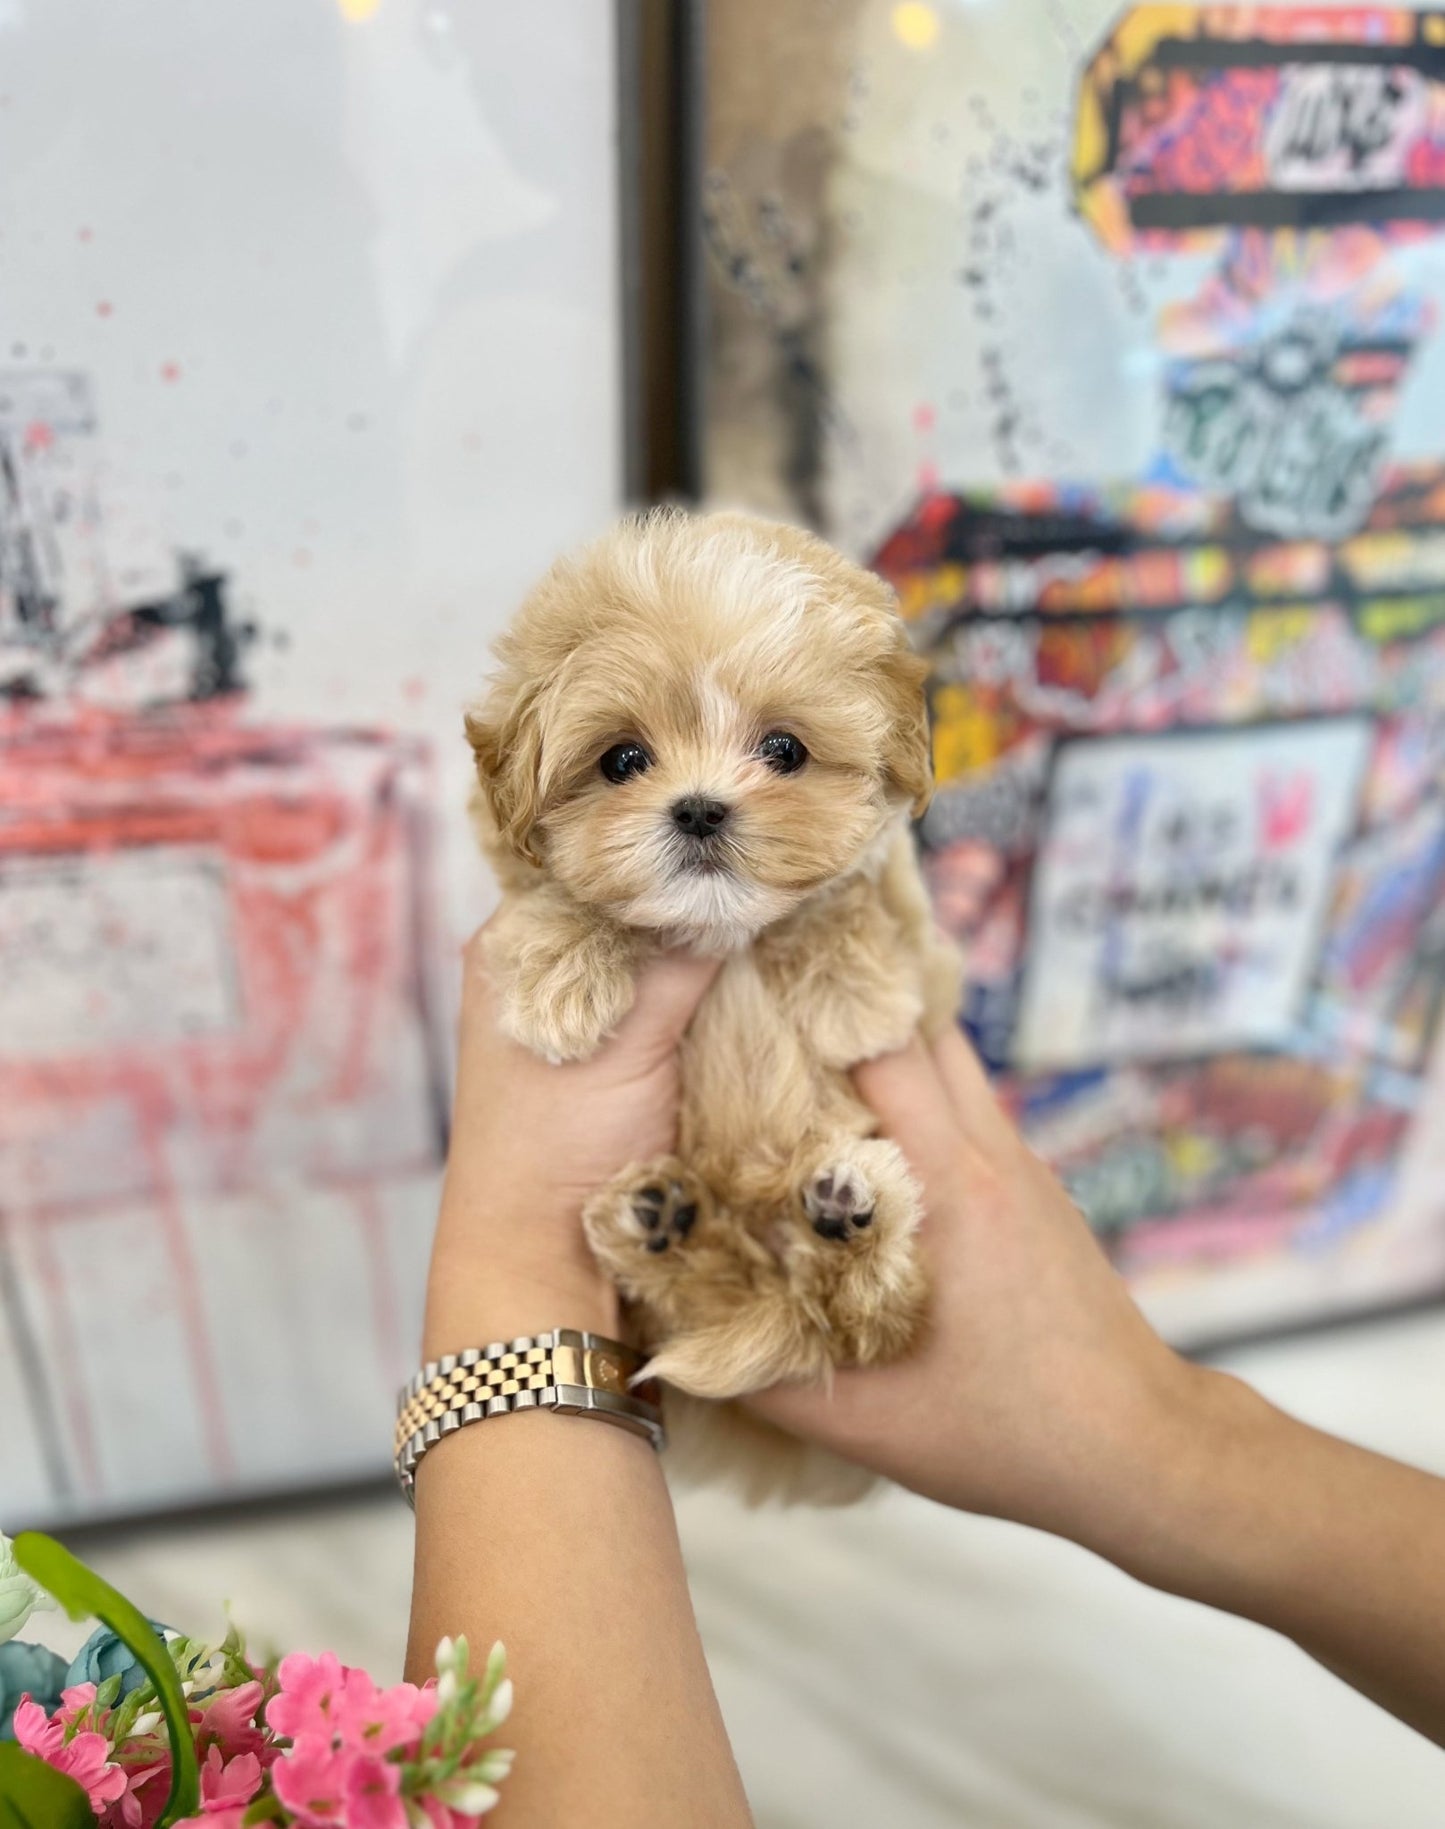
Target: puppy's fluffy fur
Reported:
point(779, 1242)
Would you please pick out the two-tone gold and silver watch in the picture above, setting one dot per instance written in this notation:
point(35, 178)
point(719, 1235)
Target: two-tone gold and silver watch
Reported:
point(566, 1370)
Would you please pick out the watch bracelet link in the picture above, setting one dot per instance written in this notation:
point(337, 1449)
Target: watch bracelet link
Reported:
point(567, 1370)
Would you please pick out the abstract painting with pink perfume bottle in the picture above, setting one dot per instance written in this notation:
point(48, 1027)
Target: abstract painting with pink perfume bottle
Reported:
point(294, 303)
point(217, 1039)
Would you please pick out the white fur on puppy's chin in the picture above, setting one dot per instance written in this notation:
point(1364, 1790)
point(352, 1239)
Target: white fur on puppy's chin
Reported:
point(724, 911)
point(715, 913)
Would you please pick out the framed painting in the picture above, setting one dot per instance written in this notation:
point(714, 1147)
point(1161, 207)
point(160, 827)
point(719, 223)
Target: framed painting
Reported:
point(298, 305)
point(1108, 334)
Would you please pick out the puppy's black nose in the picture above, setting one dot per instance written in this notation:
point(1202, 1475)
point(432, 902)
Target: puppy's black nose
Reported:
point(699, 818)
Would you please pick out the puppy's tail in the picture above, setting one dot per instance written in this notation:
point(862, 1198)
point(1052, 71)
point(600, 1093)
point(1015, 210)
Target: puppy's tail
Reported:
point(761, 1346)
point(708, 1442)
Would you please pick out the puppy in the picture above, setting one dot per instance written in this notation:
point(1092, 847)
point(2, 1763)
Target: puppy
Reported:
point(710, 732)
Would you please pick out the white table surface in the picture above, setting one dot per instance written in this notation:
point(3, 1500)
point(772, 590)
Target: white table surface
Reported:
point(898, 1664)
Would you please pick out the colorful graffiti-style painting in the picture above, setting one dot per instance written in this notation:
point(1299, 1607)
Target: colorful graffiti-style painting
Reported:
point(1274, 117)
point(1121, 329)
point(1194, 845)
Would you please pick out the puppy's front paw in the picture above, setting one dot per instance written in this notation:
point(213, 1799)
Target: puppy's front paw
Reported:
point(564, 1005)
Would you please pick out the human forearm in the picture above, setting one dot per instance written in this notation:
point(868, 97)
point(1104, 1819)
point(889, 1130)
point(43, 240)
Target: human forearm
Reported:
point(1040, 1394)
point(556, 1535)
point(1246, 1509)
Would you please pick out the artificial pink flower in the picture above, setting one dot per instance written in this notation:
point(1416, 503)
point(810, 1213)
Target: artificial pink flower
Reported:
point(225, 1782)
point(74, 1702)
point(379, 1720)
point(144, 1798)
point(227, 1791)
point(34, 1729)
point(228, 1719)
point(227, 1788)
point(373, 1798)
point(85, 1758)
point(321, 1696)
point(311, 1781)
point(310, 1695)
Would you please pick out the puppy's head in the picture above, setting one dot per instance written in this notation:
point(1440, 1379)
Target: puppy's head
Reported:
point(698, 721)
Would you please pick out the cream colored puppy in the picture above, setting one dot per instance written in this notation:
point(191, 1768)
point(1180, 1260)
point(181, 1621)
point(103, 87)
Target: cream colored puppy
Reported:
point(711, 731)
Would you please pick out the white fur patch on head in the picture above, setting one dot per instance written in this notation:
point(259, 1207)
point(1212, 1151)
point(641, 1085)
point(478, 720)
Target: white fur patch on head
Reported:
point(634, 561)
point(745, 584)
point(721, 718)
point(726, 574)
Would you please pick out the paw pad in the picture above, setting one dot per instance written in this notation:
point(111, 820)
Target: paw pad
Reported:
point(665, 1213)
point(839, 1203)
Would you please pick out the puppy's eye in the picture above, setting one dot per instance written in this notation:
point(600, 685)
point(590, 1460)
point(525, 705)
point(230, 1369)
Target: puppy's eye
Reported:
point(782, 752)
point(624, 759)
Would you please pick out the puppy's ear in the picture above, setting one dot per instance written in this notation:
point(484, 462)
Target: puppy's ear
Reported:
point(908, 754)
point(506, 738)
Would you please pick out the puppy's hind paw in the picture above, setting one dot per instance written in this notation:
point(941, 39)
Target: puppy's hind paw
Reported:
point(640, 1225)
point(839, 1201)
point(666, 1211)
point(850, 1250)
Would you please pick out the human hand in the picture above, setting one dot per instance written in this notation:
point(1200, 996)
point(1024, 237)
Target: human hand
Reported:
point(1039, 1389)
point(531, 1140)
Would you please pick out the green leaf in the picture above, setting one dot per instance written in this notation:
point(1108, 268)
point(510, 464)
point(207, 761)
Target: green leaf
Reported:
point(34, 1795)
point(84, 1595)
point(266, 1810)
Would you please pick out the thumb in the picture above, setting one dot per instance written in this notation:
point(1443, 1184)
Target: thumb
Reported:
point(817, 1412)
point(669, 989)
point(907, 1094)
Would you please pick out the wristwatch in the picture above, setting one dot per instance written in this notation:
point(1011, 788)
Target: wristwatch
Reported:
point(566, 1370)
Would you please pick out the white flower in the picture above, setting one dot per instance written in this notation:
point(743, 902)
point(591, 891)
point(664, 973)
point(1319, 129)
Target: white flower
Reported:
point(500, 1705)
point(19, 1595)
point(467, 1795)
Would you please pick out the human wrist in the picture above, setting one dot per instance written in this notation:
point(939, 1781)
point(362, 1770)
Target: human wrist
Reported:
point(476, 1294)
point(1181, 1523)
